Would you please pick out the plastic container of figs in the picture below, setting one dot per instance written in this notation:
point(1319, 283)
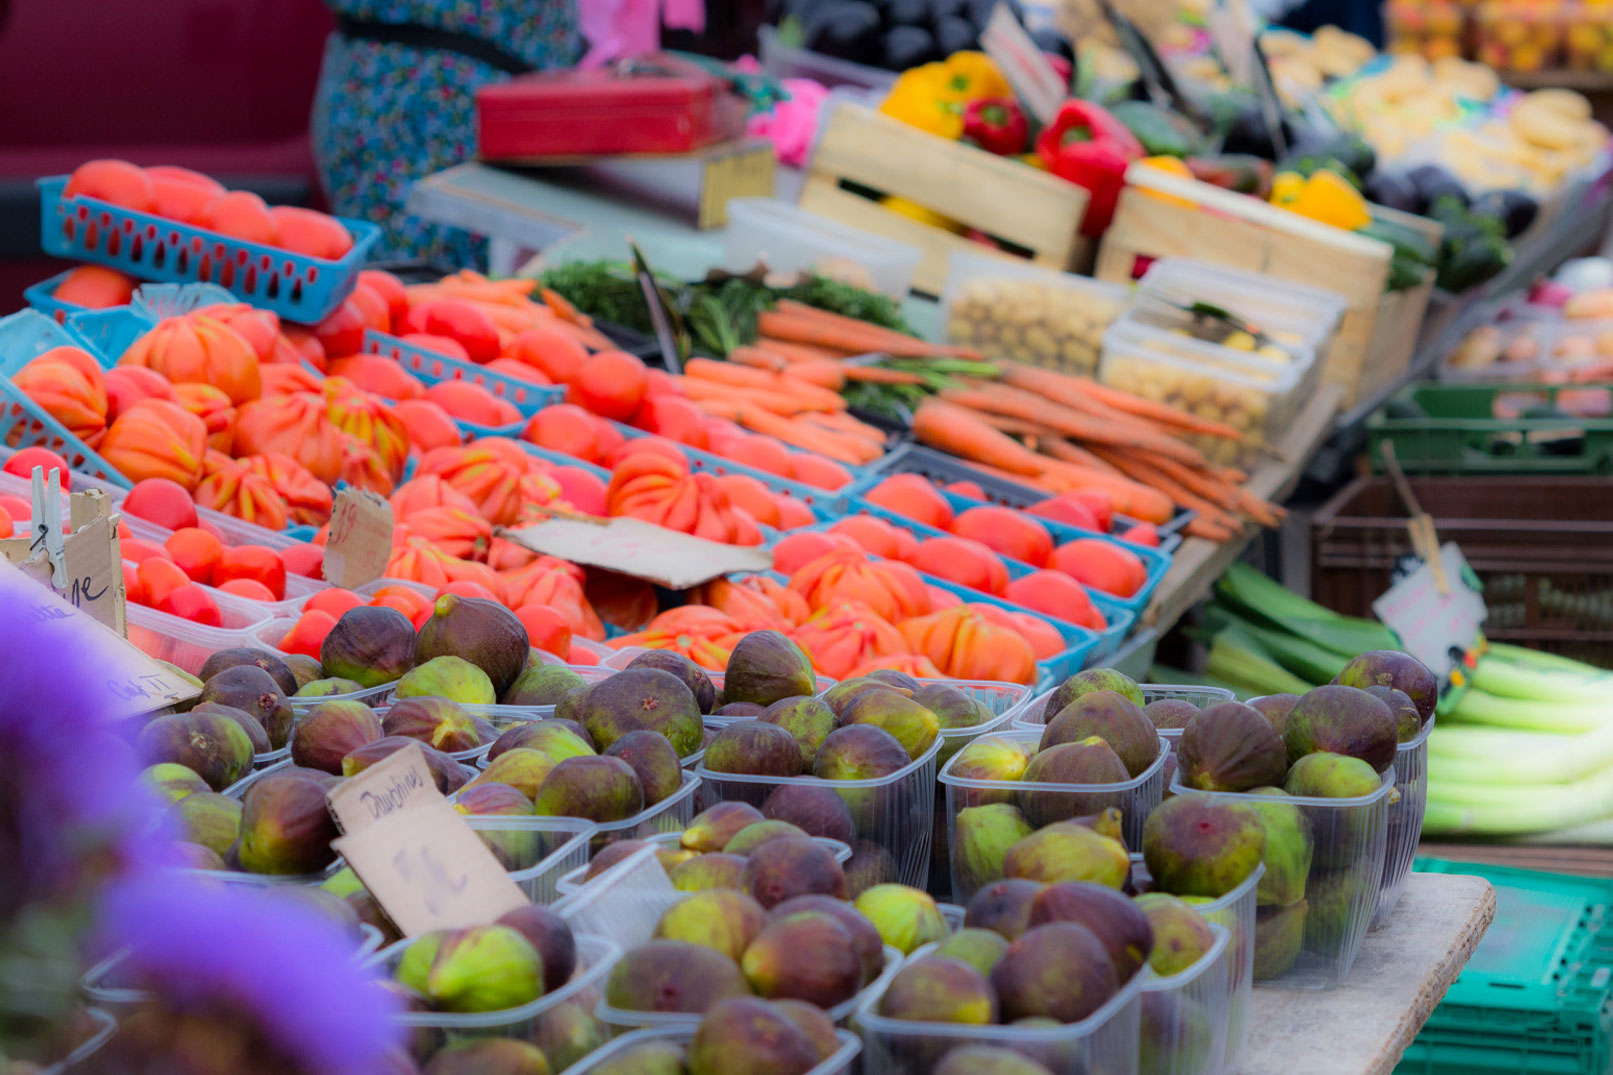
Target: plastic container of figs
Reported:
point(1405, 821)
point(1106, 1040)
point(1034, 712)
point(186, 644)
point(1236, 911)
point(890, 812)
point(842, 1062)
point(535, 851)
point(574, 880)
point(1183, 1018)
point(1312, 921)
point(1134, 798)
point(561, 1022)
point(624, 903)
point(840, 1014)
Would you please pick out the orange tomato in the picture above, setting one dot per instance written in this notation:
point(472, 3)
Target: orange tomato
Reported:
point(609, 383)
point(252, 562)
point(914, 496)
point(1101, 565)
point(550, 351)
point(1055, 594)
point(241, 214)
point(115, 181)
point(305, 559)
point(1004, 530)
point(160, 577)
point(965, 562)
point(96, 288)
point(307, 635)
point(333, 601)
point(195, 551)
point(250, 589)
point(193, 603)
point(546, 629)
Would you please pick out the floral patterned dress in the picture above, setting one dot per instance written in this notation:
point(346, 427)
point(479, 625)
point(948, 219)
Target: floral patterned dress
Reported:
point(386, 114)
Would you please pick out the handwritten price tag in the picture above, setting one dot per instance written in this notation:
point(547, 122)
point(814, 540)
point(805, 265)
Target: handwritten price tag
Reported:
point(396, 783)
point(1436, 628)
point(360, 541)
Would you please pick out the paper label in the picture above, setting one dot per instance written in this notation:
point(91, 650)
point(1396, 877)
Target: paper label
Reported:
point(360, 541)
point(138, 681)
point(1022, 64)
point(643, 550)
point(1232, 32)
point(396, 783)
point(1437, 629)
point(429, 871)
point(83, 566)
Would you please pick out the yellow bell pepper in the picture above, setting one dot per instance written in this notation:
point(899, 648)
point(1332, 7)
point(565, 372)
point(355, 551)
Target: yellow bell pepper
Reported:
point(971, 75)
point(914, 211)
point(1033, 159)
point(922, 98)
point(1326, 197)
point(1171, 166)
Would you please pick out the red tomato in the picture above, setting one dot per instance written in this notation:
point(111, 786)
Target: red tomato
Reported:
point(252, 562)
point(546, 629)
point(193, 603)
point(305, 559)
point(161, 501)
point(24, 460)
point(334, 601)
point(307, 635)
point(250, 589)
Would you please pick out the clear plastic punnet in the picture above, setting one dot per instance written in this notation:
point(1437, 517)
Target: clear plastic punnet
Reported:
point(623, 903)
point(1405, 821)
point(843, 1062)
point(1105, 1041)
point(535, 851)
point(561, 1023)
point(840, 1014)
point(188, 645)
point(1314, 909)
point(789, 239)
point(892, 811)
point(1235, 911)
point(1310, 315)
point(1034, 713)
point(1042, 804)
point(1183, 1022)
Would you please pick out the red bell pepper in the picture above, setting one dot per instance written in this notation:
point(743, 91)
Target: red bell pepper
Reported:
point(1086, 145)
point(996, 125)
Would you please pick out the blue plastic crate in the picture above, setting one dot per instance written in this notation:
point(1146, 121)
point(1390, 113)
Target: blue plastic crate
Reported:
point(42, 297)
point(24, 336)
point(110, 332)
point(1158, 563)
point(943, 469)
point(297, 287)
point(433, 367)
point(564, 460)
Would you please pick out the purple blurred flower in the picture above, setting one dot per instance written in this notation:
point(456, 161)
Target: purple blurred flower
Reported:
point(202, 945)
point(70, 805)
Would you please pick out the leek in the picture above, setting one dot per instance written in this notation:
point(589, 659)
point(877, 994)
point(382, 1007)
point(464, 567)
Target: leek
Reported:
point(1237, 657)
point(1305, 659)
point(1538, 658)
point(1466, 809)
point(1268, 601)
point(1488, 757)
point(1548, 681)
point(1592, 833)
point(1161, 673)
point(1478, 706)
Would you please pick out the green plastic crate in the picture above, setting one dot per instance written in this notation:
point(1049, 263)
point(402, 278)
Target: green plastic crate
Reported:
point(1459, 436)
point(1537, 996)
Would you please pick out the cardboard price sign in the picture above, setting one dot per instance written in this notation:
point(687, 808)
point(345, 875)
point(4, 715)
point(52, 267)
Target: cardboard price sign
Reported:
point(360, 541)
point(643, 550)
point(1436, 611)
point(84, 566)
point(1022, 63)
point(414, 851)
point(138, 682)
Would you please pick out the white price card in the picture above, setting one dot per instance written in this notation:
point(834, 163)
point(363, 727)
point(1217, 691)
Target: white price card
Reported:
point(1436, 628)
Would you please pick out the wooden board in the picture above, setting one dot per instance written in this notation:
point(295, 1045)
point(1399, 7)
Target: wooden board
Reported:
point(1198, 563)
point(1224, 228)
point(1003, 198)
point(1399, 976)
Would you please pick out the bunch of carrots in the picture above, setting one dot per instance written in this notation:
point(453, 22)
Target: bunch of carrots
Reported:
point(509, 305)
point(1059, 432)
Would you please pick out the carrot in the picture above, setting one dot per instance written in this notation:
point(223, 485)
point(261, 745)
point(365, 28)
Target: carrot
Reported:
point(806, 324)
point(564, 309)
point(1070, 453)
point(1130, 495)
point(841, 422)
point(956, 430)
point(707, 369)
point(1063, 388)
point(779, 402)
point(1135, 468)
point(1016, 403)
point(824, 373)
point(1017, 427)
point(881, 375)
point(799, 435)
point(800, 352)
point(757, 358)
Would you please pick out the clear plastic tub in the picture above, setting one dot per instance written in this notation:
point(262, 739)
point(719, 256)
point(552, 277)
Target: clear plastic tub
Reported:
point(843, 1062)
point(1105, 1041)
point(573, 880)
point(188, 645)
point(787, 238)
point(624, 903)
point(1289, 312)
point(1008, 309)
point(1257, 397)
point(1034, 712)
point(1236, 911)
point(1183, 1024)
point(840, 1014)
point(1309, 941)
point(1135, 799)
point(535, 851)
point(892, 812)
point(1405, 821)
point(561, 1022)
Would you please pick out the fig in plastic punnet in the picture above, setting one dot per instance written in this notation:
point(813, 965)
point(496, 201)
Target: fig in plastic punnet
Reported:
point(642, 699)
point(693, 676)
point(987, 1060)
point(755, 835)
point(939, 989)
point(908, 722)
point(804, 956)
point(257, 658)
point(488, 1056)
point(435, 721)
point(1230, 747)
point(1085, 762)
point(1275, 708)
point(1408, 719)
point(865, 938)
point(369, 645)
point(980, 948)
point(1290, 846)
point(1200, 845)
point(1181, 934)
point(1170, 712)
point(286, 827)
point(756, 748)
point(523, 769)
point(1122, 926)
point(244, 720)
point(451, 678)
point(541, 684)
point(905, 917)
point(722, 919)
point(713, 827)
point(809, 720)
point(1342, 720)
point(951, 706)
point(1060, 970)
point(815, 810)
point(171, 781)
point(673, 976)
point(253, 691)
point(981, 839)
point(747, 1035)
point(596, 788)
point(794, 866)
point(559, 739)
point(331, 731)
point(1004, 907)
point(478, 969)
point(208, 744)
point(764, 667)
point(1093, 679)
point(713, 870)
point(1391, 668)
point(653, 761)
point(550, 936)
point(1111, 717)
point(483, 632)
point(859, 752)
point(1069, 851)
point(209, 819)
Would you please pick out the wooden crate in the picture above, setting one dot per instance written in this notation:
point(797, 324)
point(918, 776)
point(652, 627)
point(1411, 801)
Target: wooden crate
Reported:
point(1225, 228)
point(1003, 198)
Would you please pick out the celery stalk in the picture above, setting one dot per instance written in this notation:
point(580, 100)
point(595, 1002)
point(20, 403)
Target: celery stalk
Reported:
point(1548, 681)
point(1487, 757)
point(1478, 810)
point(1269, 601)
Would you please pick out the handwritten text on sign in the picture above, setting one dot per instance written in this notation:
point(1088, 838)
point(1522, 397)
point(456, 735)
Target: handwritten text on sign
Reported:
point(1431, 624)
point(398, 782)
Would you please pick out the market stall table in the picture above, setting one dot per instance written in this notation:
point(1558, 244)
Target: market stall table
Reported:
point(1402, 971)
